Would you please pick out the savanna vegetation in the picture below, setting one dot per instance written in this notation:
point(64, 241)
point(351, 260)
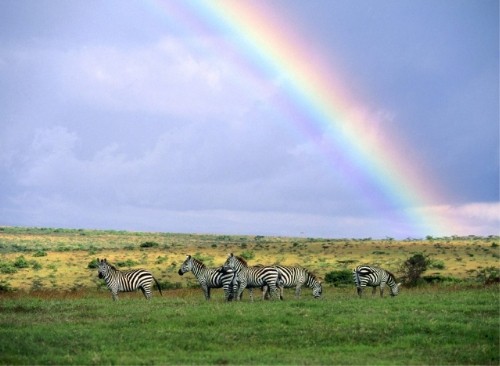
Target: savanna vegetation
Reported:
point(54, 309)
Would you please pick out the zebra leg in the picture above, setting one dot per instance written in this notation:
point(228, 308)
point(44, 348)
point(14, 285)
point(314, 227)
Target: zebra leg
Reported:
point(382, 286)
point(206, 292)
point(360, 290)
point(298, 290)
point(250, 290)
point(146, 291)
point(227, 293)
point(264, 292)
point(115, 295)
point(239, 292)
point(374, 290)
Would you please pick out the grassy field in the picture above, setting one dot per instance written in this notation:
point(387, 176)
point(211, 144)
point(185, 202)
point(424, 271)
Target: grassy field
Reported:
point(54, 310)
point(47, 259)
point(430, 325)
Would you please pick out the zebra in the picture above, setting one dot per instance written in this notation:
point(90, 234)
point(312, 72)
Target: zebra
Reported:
point(296, 276)
point(374, 276)
point(209, 277)
point(250, 277)
point(126, 281)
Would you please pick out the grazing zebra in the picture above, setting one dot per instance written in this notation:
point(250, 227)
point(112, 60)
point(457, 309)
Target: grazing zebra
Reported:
point(251, 277)
point(126, 281)
point(297, 277)
point(374, 276)
point(209, 277)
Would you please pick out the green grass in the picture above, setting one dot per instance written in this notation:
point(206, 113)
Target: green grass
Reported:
point(433, 325)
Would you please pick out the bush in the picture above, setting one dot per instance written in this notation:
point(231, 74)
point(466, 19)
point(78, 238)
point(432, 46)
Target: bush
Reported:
point(5, 286)
point(338, 278)
point(7, 268)
point(489, 275)
point(40, 253)
point(94, 263)
point(413, 268)
point(436, 264)
point(167, 285)
point(21, 262)
point(247, 255)
point(149, 244)
point(127, 263)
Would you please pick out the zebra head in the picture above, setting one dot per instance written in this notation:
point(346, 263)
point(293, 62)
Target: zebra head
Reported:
point(186, 266)
point(317, 290)
point(233, 264)
point(230, 264)
point(103, 268)
point(395, 289)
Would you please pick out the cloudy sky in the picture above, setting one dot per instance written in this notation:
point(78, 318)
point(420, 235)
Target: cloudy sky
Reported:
point(158, 116)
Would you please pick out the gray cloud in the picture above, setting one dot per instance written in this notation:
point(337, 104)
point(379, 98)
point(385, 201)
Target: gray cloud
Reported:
point(168, 130)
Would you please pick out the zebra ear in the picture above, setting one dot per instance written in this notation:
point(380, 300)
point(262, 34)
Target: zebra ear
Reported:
point(188, 256)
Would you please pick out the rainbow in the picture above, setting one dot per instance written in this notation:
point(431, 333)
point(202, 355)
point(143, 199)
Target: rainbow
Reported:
point(319, 105)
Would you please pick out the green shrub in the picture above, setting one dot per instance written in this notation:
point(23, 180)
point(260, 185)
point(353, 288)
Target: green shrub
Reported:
point(247, 255)
point(5, 286)
point(339, 278)
point(167, 285)
point(413, 268)
point(127, 263)
point(21, 262)
point(7, 268)
point(436, 264)
point(40, 253)
point(149, 244)
point(94, 263)
point(488, 275)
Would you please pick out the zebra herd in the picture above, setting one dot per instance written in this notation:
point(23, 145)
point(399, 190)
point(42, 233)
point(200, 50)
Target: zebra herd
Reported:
point(235, 275)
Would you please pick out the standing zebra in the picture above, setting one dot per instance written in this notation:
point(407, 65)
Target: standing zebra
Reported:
point(296, 276)
point(374, 276)
point(251, 277)
point(209, 277)
point(126, 281)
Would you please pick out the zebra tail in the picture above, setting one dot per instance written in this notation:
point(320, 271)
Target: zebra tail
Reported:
point(158, 286)
point(358, 282)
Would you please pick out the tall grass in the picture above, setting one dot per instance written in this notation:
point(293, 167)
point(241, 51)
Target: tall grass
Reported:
point(424, 326)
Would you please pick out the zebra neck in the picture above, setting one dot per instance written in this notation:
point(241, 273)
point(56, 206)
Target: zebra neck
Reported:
point(110, 274)
point(311, 281)
point(238, 267)
point(391, 281)
point(197, 269)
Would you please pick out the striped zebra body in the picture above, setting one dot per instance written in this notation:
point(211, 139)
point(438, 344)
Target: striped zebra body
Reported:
point(373, 277)
point(209, 277)
point(296, 276)
point(126, 281)
point(251, 277)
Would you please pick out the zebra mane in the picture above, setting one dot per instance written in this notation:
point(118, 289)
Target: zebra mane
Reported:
point(391, 275)
point(312, 275)
point(200, 263)
point(112, 266)
point(243, 261)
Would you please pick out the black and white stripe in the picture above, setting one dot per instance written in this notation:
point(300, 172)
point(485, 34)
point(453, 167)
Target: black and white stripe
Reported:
point(296, 276)
point(126, 281)
point(251, 277)
point(209, 277)
point(373, 277)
